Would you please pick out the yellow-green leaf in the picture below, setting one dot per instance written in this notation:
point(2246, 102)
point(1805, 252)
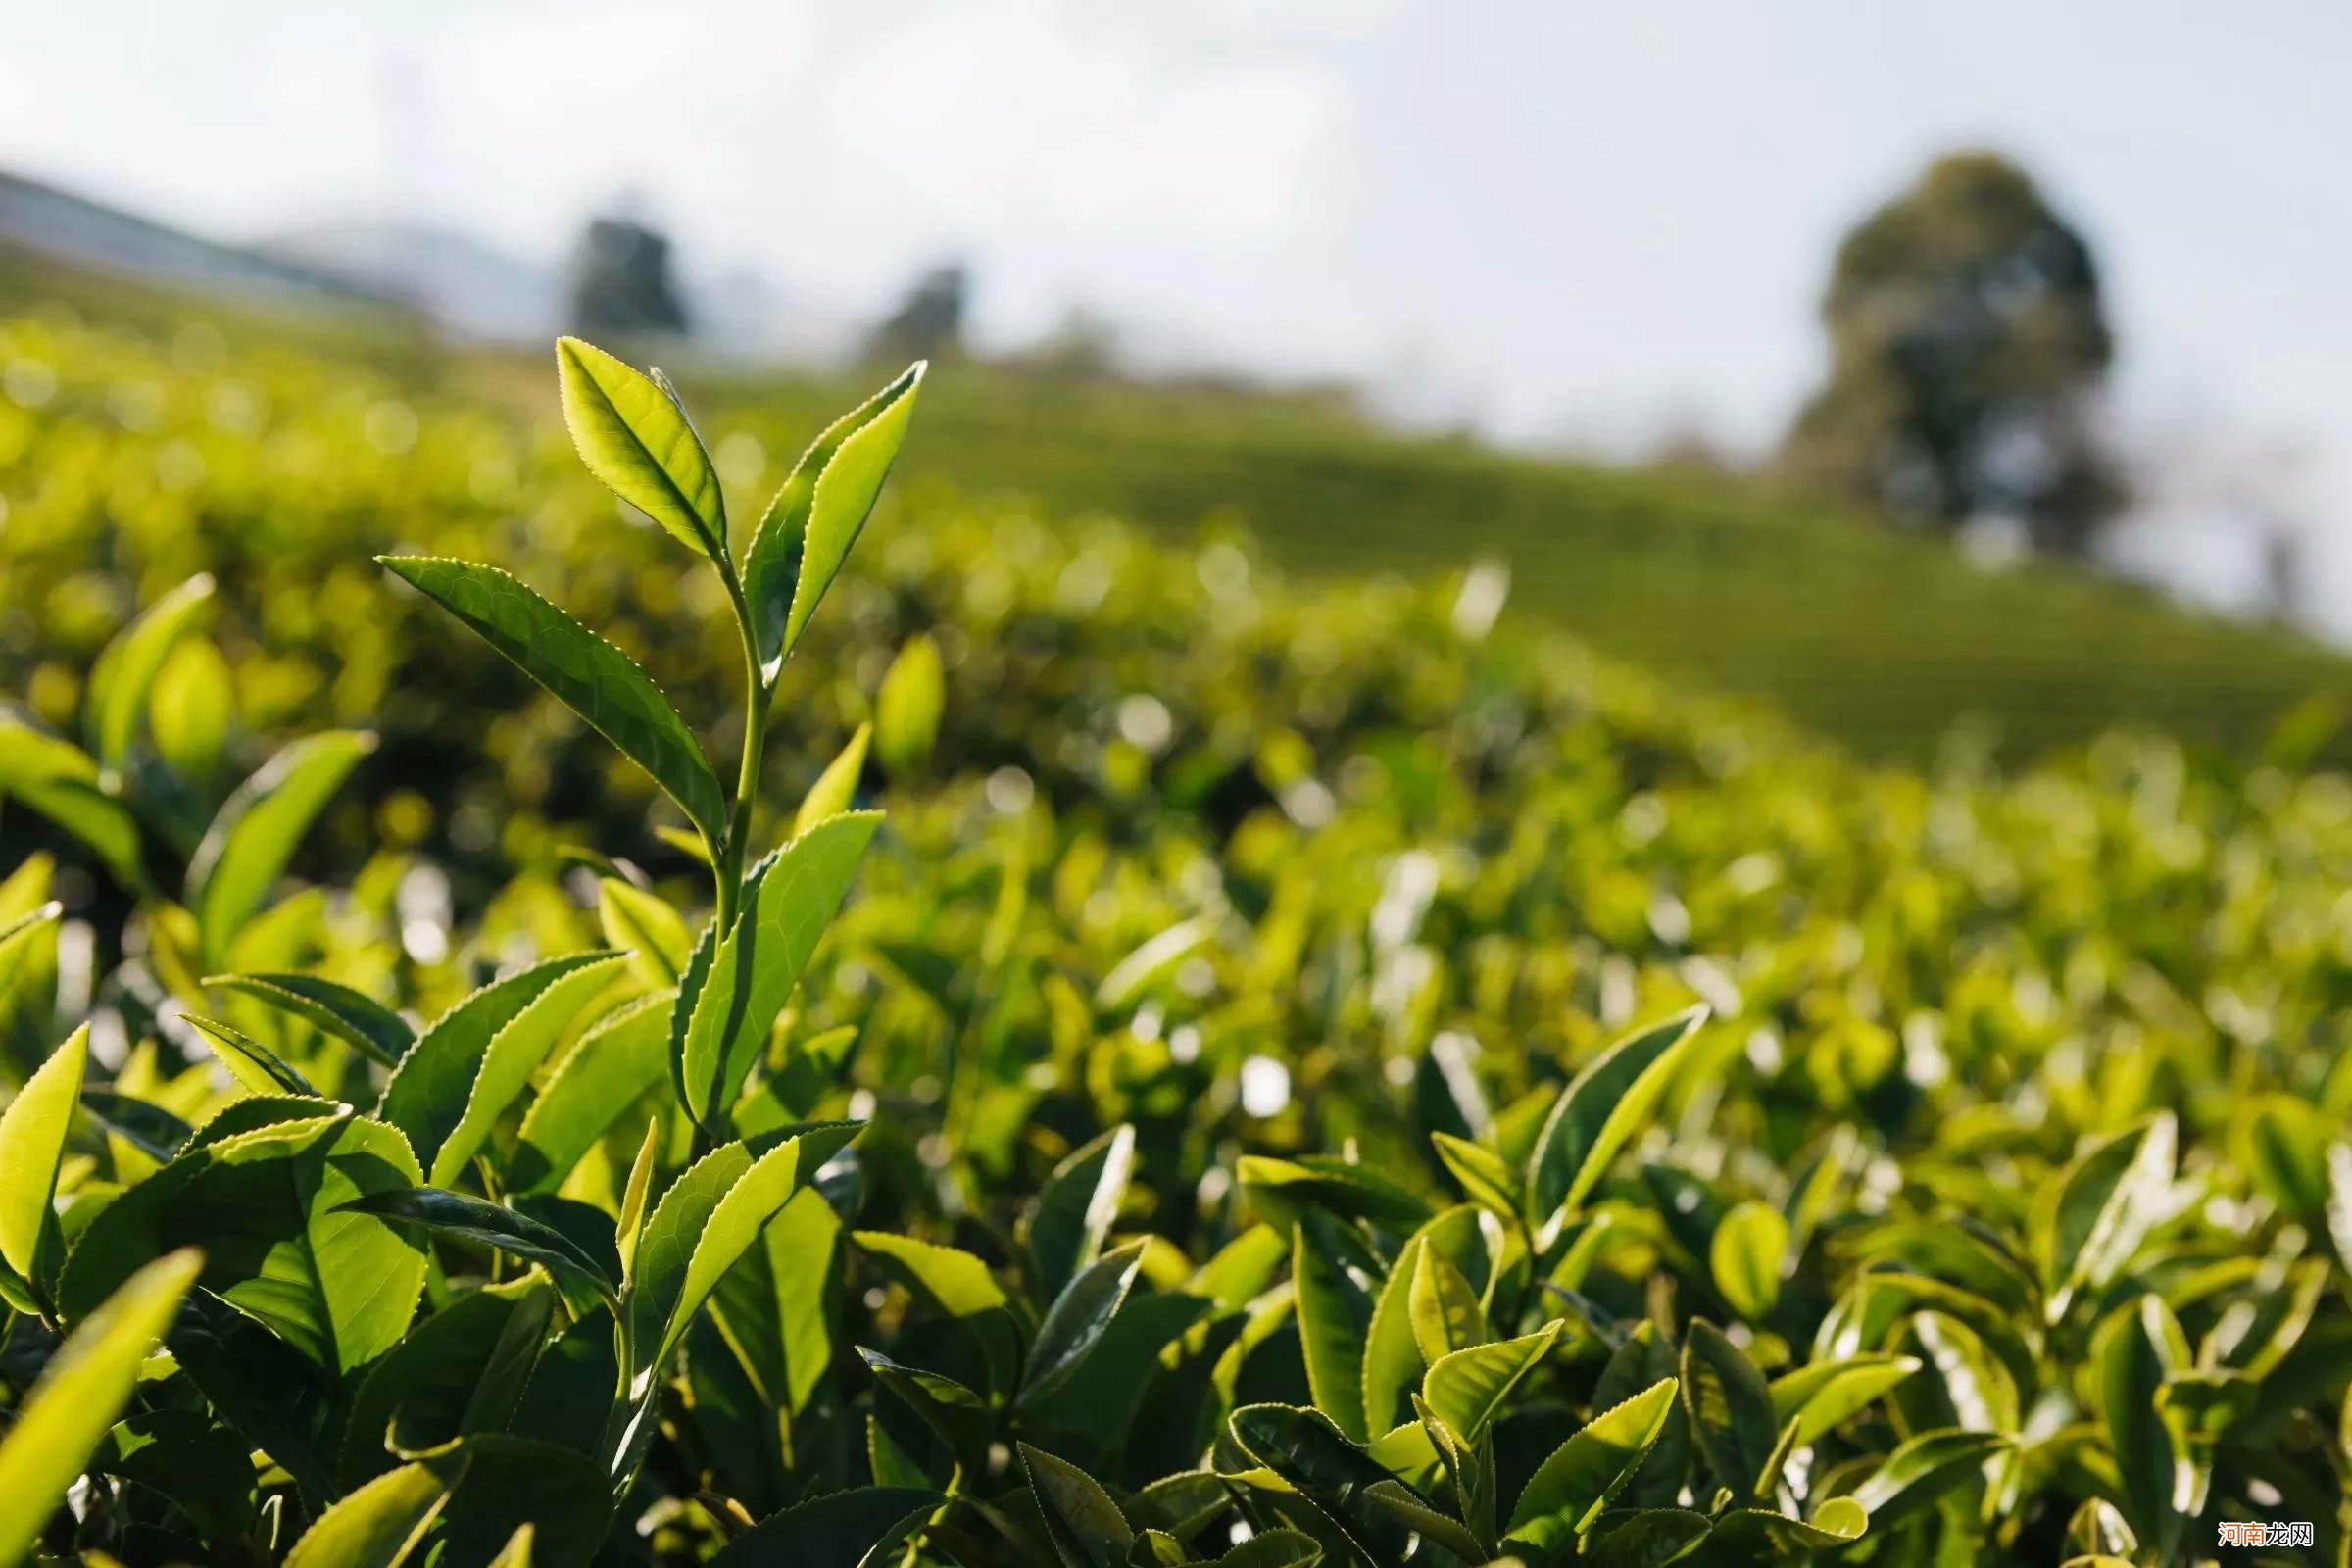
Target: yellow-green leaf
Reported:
point(77, 1397)
point(816, 517)
point(33, 1142)
point(632, 435)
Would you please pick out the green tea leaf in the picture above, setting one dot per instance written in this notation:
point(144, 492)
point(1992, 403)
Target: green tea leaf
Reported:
point(430, 1091)
point(1819, 1396)
point(359, 1021)
point(256, 1068)
point(2130, 1365)
point(127, 668)
point(1924, 1467)
point(460, 1371)
point(1569, 1489)
point(637, 922)
point(708, 1220)
point(1745, 1258)
point(67, 1412)
point(1335, 1318)
point(32, 1143)
point(1442, 1309)
point(946, 1278)
point(1730, 1407)
point(514, 1054)
point(278, 1212)
point(634, 437)
point(57, 779)
point(491, 1225)
point(1467, 1388)
point(841, 1530)
point(908, 707)
point(1077, 1320)
point(614, 1064)
point(593, 678)
point(1275, 1549)
point(816, 517)
point(509, 1482)
point(2091, 1220)
point(1647, 1538)
point(1599, 1113)
point(1305, 1448)
point(1075, 1209)
point(1086, 1527)
point(254, 833)
point(377, 1525)
point(1484, 1176)
point(835, 790)
point(1393, 1362)
point(788, 899)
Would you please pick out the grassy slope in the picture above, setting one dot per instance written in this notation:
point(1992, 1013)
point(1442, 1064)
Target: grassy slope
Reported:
point(1876, 638)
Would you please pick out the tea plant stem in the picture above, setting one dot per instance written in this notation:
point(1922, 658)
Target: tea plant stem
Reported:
point(727, 865)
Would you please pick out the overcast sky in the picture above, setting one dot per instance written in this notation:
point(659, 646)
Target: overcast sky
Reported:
point(1568, 222)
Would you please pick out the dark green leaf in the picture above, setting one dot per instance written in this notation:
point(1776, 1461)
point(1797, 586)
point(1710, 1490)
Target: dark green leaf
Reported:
point(1730, 1407)
point(356, 1019)
point(594, 680)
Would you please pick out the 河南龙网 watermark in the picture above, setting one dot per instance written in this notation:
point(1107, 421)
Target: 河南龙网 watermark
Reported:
point(2295, 1533)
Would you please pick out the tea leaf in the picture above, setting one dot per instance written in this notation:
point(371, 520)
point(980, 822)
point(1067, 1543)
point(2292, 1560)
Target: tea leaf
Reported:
point(1730, 1408)
point(256, 1069)
point(841, 1530)
point(908, 707)
point(1745, 1258)
point(1077, 1321)
point(433, 1089)
point(1569, 1489)
point(488, 1224)
point(1467, 1388)
point(593, 678)
point(57, 779)
point(33, 1142)
point(835, 790)
point(126, 670)
point(273, 1209)
point(351, 1016)
point(610, 1069)
point(77, 1397)
point(634, 437)
point(1086, 1527)
point(1076, 1208)
point(1599, 1112)
point(254, 833)
point(788, 899)
point(816, 517)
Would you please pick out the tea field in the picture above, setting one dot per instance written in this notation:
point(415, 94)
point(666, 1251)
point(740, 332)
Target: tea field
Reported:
point(1156, 1058)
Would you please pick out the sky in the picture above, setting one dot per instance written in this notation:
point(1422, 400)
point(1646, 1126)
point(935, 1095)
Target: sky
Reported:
point(1570, 223)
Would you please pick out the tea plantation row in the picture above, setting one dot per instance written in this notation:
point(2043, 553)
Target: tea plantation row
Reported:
point(1295, 1075)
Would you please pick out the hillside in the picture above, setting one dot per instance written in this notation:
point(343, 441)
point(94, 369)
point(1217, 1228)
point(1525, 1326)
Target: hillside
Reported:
point(1880, 640)
point(1876, 638)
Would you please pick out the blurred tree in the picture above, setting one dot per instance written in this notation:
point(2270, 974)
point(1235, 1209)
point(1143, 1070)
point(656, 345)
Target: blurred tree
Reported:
point(928, 322)
point(1966, 342)
point(622, 283)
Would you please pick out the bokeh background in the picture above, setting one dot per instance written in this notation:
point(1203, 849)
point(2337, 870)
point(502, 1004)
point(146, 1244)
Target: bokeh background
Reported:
point(1926, 367)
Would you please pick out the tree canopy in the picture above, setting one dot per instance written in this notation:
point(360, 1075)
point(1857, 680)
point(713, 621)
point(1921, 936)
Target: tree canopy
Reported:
point(1967, 343)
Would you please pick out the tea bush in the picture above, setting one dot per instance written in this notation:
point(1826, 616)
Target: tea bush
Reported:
point(1301, 1077)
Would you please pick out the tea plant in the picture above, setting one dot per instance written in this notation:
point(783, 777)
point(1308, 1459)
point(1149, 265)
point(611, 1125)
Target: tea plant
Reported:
point(1122, 1179)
